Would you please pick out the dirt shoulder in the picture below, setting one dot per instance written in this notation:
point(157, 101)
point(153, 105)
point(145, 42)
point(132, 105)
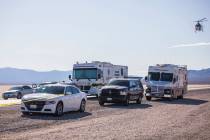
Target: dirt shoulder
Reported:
point(158, 119)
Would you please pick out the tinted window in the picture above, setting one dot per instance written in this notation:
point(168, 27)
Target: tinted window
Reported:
point(74, 90)
point(166, 77)
point(85, 73)
point(154, 76)
point(26, 87)
point(119, 83)
point(16, 88)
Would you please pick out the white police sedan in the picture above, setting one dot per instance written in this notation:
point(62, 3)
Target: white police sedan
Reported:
point(55, 99)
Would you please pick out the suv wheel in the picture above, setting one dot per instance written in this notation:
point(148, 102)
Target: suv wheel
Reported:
point(25, 113)
point(59, 109)
point(82, 106)
point(101, 103)
point(148, 98)
point(138, 101)
point(19, 96)
point(5, 98)
point(126, 103)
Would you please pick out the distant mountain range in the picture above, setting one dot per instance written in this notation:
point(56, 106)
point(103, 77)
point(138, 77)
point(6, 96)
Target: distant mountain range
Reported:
point(24, 76)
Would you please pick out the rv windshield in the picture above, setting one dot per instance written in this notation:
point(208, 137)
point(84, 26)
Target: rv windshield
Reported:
point(166, 77)
point(85, 73)
point(154, 76)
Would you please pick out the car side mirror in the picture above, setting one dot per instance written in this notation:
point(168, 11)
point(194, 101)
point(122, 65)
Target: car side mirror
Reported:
point(69, 77)
point(146, 78)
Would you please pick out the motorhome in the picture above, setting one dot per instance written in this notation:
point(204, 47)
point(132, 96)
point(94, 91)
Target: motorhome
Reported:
point(166, 80)
point(89, 77)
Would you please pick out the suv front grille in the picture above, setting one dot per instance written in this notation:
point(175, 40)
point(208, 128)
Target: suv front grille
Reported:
point(110, 92)
point(39, 105)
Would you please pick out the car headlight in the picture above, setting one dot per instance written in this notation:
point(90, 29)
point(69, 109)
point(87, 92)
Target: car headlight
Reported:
point(123, 93)
point(50, 102)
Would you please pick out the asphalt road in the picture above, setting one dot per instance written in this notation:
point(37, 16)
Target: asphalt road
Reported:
point(158, 119)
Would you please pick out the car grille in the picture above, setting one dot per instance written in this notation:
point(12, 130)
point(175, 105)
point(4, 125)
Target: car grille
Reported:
point(110, 92)
point(39, 104)
point(157, 89)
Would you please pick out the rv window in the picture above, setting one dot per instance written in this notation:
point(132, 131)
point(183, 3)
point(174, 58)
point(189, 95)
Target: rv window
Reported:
point(154, 76)
point(85, 73)
point(121, 72)
point(166, 77)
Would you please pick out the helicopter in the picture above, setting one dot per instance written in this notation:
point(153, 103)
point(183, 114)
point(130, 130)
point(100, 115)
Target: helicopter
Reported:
point(198, 25)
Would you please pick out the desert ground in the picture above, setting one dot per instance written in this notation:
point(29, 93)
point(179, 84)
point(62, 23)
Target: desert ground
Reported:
point(157, 119)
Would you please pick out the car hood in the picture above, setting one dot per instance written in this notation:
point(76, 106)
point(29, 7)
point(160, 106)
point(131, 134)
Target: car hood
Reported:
point(39, 96)
point(11, 91)
point(114, 87)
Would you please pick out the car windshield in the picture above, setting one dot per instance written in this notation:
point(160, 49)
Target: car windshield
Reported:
point(16, 88)
point(51, 89)
point(154, 76)
point(119, 83)
point(166, 77)
point(85, 73)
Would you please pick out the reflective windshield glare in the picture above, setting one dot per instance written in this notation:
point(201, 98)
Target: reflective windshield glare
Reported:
point(51, 89)
point(119, 83)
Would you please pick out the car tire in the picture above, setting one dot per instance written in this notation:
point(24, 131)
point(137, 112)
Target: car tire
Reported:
point(126, 103)
point(181, 96)
point(19, 96)
point(82, 106)
point(138, 101)
point(101, 103)
point(5, 98)
point(59, 109)
point(149, 98)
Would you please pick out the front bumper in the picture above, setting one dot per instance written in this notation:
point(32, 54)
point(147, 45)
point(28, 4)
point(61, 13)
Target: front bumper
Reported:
point(158, 95)
point(51, 108)
point(111, 99)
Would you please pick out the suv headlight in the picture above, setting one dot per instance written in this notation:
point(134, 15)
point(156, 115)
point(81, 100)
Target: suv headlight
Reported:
point(50, 102)
point(123, 93)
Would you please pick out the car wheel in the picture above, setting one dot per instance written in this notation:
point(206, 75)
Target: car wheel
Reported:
point(19, 96)
point(181, 96)
point(148, 98)
point(126, 103)
point(82, 106)
point(138, 101)
point(101, 103)
point(5, 98)
point(59, 109)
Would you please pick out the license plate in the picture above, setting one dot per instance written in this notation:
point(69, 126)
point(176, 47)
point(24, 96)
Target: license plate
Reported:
point(167, 95)
point(109, 99)
point(33, 106)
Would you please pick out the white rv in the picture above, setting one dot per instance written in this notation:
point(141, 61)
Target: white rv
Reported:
point(90, 76)
point(166, 80)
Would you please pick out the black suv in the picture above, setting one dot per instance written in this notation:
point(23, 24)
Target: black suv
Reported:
point(121, 91)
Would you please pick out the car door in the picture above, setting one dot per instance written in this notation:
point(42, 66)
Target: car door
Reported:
point(140, 88)
point(134, 87)
point(76, 97)
point(68, 99)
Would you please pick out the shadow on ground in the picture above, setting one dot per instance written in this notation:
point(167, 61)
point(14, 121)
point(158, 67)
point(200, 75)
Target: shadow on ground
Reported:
point(130, 106)
point(66, 116)
point(185, 101)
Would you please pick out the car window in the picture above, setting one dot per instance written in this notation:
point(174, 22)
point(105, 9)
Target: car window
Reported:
point(68, 89)
point(132, 84)
point(26, 87)
point(75, 90)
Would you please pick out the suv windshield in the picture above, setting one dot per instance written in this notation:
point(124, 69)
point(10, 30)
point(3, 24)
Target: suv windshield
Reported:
point(51, 89)
point(119, 83)
point(166, 77)
point(85, 73)
point(154, 76)
point(16, 88)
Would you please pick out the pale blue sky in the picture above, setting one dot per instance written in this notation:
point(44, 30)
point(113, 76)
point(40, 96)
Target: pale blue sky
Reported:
point(46, 34)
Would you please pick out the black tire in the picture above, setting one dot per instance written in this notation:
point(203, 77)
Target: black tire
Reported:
point(59, 109)
point(101, 103)
point(82, 106)
point(138, 101)
point(149, 98)
point(19, 96)
point(126, 103)
point(5, 98)
point(25, 113)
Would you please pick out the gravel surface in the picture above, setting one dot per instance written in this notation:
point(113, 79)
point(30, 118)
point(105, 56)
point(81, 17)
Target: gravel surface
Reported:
point(159, 119)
